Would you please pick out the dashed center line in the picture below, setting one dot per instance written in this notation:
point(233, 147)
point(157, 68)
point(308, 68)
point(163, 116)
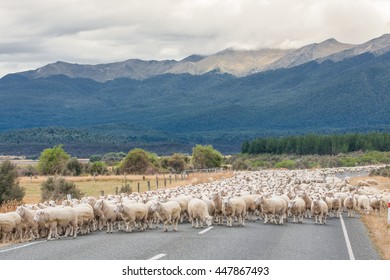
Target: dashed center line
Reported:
point(349, 247)
point(205, 230)
point(156, 257)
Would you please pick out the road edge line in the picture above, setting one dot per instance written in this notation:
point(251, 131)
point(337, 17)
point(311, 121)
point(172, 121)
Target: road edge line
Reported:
point(347, 241)
point(21, 246)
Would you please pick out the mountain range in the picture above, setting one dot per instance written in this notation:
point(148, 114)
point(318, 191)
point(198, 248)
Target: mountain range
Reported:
point(221, 99)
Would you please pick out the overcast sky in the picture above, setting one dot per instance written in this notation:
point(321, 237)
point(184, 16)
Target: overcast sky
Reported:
point(37, 32)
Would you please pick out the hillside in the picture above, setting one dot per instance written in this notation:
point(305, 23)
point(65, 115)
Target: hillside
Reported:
point(175, 111)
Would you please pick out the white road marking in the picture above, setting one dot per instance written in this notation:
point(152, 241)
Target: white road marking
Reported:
point(349, 247)
point(205, 230)
point(21, 246)
point(159, 256)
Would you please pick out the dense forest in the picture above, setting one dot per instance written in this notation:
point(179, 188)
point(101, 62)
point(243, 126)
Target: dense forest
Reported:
point(319, 144)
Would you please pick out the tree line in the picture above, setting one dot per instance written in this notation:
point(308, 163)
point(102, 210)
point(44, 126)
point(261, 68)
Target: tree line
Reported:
point(319, 144)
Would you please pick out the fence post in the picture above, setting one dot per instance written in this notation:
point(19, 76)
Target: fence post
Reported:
point(102, 193)
point(148, 185)
point(116, 190)
point(138, 187)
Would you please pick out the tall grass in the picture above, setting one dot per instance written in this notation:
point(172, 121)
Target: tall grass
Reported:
point(9, 206)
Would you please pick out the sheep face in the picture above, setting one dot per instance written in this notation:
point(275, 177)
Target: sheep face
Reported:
point(209, 221)
point(119, 208)
point(19, 210)
point(155, 206)
point(98, 205)
point(40, 217)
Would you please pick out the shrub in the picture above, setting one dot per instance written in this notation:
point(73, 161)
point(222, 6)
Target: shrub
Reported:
point(73, 167)
point(126, 188)
point(137, 161)
point(57, 188)
point(206, 157)
point(53, 161)
point(9, 183)
point(288, 163)
point(97, 168)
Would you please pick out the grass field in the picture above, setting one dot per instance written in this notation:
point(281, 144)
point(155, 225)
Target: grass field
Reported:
point(91, 186)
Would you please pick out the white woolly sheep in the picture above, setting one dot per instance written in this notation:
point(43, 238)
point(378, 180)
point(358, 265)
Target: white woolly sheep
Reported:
point(272, 208)
point(297, 208)
point(168, 213)
point(234, 207)
point(10, 222)
point(319, 209)
point(63, 217)
point(133, 213)
point(198, 213)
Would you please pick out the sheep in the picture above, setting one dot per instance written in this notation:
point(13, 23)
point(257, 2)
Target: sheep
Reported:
point(272, 207)
point(319, 209)
point(234, 207)
point(32, 227)
point(10, 222)
point(109, 215)
point(198, 213)
point(85, 217)
point(308, 200)
point(251, 206)
point(210, 206)
point(183, 202)
point(217, 199)
point(152, 218)
point(375, 203)
point(363, 204)
point(337, 206)
point(350, 204)
point(53, 217)
point(297, 208)
point(133, 213)
point(167, 212)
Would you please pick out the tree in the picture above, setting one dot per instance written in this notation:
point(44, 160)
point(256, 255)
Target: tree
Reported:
point(9, 183)
point(137, 161)
point(57, 188)
point(177, 162)
point(53, 161)
point(74, 167)
point(206, 157)
point(97, 167)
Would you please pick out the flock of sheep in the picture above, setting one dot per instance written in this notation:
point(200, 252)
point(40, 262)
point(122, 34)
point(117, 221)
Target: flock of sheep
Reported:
point(273, 196)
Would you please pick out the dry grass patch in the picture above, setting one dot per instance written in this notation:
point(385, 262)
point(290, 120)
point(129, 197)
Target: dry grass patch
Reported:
point(379, 232)
point(377, 224)
point(91, 186)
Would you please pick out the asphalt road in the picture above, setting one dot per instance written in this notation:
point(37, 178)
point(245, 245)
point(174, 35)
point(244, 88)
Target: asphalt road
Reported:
point(254, 241)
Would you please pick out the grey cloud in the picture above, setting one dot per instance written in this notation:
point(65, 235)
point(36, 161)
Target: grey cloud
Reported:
point(97, 31)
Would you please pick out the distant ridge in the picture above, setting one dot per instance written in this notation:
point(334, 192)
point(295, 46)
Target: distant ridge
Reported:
point(236, 62)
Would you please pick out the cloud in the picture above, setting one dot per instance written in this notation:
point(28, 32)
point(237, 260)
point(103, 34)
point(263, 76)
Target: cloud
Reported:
point(37, 32)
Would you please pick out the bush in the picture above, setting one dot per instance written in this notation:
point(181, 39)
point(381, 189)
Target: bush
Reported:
point(288, 163)
point(126, 188)
point(206, 157)
point(9, 183)
point(97, 168)
point(53, 161)
point(137, 161)
point(95, 158)
point(28, 171)
point(73, 167)
point(57, 188)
